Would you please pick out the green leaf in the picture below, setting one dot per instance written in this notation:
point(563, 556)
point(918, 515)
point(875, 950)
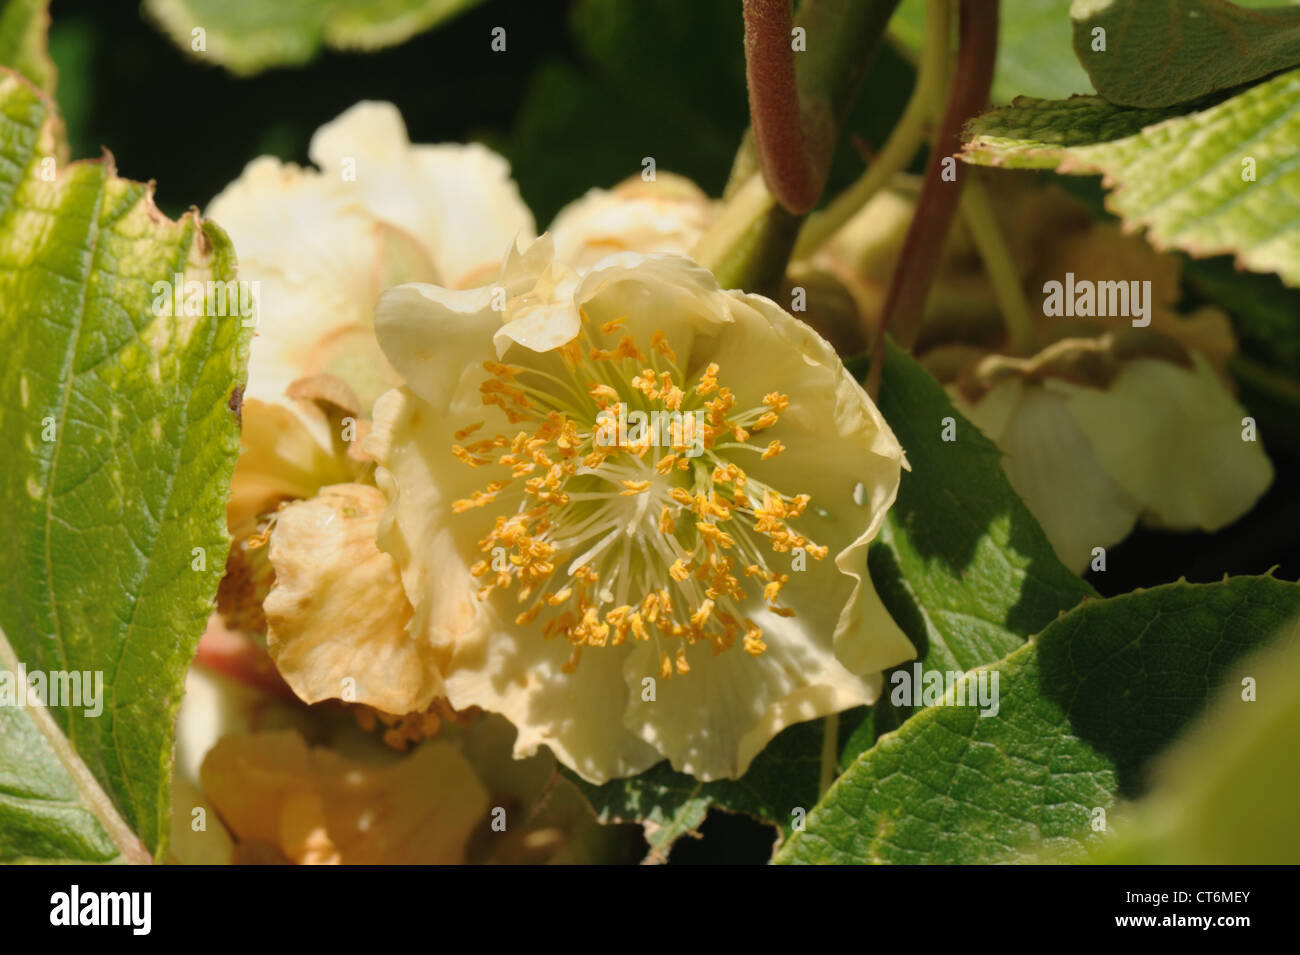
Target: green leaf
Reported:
point(123, 444)
point(1034, 53)
point(51, 809)
point(1220, 179)
point(961, 565)
point(977, 573)
point(24, 44)
point(1082, 710)
point(248, 36)
point(1222, 794)
point(1164, 52)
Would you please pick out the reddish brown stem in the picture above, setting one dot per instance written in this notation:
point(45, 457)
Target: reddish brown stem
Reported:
point(937, 204)
point(779, 137)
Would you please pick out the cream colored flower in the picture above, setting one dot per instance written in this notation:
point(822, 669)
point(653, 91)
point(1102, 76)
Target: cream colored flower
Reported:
point(667, 214)
point(321, 246)
point(1095, 440)
point(623, 595)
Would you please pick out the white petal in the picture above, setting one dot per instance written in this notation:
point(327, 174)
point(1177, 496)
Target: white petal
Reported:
point(1053, 466)
point(457, 200)
point(316, 260)
point(712, 721)
point(433, 336)
point(658, 293)
point(1171, 437)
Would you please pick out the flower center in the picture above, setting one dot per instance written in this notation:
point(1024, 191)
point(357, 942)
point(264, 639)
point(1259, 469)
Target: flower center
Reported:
point(626, 513)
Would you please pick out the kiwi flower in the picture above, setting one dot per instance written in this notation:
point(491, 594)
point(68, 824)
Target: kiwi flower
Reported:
point(1101, 433)
point(631, 510)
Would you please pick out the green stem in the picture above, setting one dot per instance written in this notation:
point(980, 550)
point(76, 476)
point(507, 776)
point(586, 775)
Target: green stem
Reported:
point(903, 142)
point(749, 243)
point(977, 213)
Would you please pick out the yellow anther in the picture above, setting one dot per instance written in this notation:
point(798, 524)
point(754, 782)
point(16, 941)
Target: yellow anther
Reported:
point(708, 382)
point(701, 616)
point(509, 372)
point(659, 343)
point(667, 525)
point(602, 391)
point(682, 665)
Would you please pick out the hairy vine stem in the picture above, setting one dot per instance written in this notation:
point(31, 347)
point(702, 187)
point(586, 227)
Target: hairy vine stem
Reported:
point(937, 205)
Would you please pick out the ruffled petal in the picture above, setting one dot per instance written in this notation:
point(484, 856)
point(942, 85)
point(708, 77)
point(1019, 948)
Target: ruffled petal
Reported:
point(858, 464)
point(457, 200)
point(286, 453)
point(337, 614)
point(668, 214)
point(713, 720)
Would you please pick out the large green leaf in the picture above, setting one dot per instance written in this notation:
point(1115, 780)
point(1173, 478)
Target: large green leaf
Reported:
point(1034, 54)
point(24, 44)
point(123, 444)
point(1163, 52)
point(962, 566)
point(248, 36)
point(1224, 794)
point(1220, 179)
point(1082, 709)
